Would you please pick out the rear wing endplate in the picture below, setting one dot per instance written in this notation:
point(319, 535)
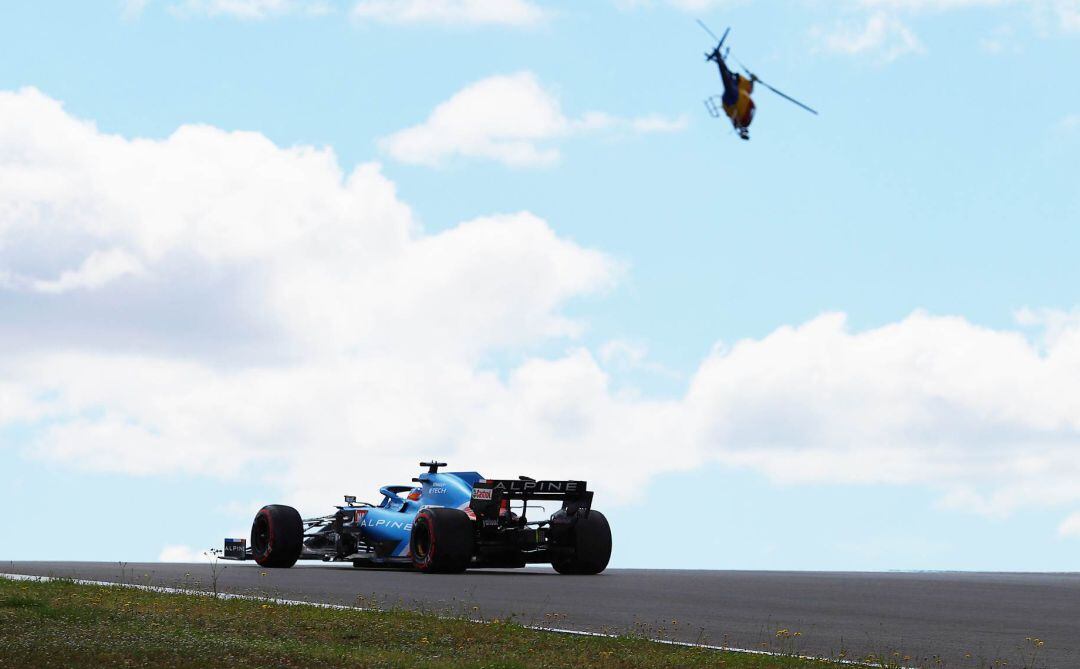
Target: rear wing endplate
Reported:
point(236, 549)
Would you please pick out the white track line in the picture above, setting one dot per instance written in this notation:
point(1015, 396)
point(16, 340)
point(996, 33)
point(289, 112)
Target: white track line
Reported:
point(345, 607)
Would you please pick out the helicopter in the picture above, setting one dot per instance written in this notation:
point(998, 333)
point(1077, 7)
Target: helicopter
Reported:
point(736, 102)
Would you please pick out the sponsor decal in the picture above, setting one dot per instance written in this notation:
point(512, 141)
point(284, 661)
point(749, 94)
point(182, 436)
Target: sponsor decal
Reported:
point(481, 493)
point(390, 524)
point(360, 516)
point(436, 491)
point(526, 487)
point(235, 547)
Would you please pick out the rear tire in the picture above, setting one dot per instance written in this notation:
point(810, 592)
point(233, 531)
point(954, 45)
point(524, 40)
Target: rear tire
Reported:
point(441, 541)
point(277, 536)
point(590, 538)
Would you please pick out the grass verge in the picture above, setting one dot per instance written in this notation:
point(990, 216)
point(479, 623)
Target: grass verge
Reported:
point(62, 624)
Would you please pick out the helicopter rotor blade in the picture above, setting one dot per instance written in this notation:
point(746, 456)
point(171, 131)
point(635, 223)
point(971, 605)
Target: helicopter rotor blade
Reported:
point(788, 98)
point(719, 40)
point(705, 28)
point(780, 93)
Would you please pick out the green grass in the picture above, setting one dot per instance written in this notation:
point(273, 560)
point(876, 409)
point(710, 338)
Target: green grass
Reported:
point(58, 623)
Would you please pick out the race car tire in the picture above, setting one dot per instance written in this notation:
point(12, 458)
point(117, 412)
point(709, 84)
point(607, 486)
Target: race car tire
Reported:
point(441, 541)
point(590, 538)
point(277, 536)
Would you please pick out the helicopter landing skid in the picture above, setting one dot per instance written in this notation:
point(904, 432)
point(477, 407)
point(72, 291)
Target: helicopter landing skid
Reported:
point(714, 106)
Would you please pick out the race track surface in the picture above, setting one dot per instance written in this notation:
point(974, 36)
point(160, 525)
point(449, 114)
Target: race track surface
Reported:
point(968, 619)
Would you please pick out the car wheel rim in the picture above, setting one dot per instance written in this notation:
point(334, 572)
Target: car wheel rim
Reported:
point(260, 535)
point(423, 542)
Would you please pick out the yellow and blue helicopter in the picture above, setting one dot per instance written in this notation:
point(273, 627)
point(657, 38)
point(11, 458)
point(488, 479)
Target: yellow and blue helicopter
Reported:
point(736, 102)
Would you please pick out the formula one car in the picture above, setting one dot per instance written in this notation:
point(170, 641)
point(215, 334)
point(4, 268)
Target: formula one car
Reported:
point(447, 523)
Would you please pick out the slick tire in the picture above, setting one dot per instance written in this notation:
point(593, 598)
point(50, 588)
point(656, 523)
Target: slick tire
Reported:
point(277, 536)
point(590, 538)
point(441, 541)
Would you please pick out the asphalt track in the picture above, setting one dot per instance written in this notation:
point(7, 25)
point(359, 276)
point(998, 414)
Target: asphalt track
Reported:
point(966, 619)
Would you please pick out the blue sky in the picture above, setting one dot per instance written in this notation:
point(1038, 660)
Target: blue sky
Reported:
point(578, 310)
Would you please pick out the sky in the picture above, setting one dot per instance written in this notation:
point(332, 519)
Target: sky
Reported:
point(279, 251)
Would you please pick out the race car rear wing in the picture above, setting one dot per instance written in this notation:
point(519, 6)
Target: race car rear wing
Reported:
point(488, 495)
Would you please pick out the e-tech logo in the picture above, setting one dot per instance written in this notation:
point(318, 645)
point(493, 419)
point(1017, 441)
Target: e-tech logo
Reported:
point(389, 524)
point(436, 491)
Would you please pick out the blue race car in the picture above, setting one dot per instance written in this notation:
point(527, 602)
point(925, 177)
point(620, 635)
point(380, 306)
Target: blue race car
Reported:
point(448, 522)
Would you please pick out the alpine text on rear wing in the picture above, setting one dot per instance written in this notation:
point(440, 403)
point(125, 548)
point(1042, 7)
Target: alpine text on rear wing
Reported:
point(489, 494)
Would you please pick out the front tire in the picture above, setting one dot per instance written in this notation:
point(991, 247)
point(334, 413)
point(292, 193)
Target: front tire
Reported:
point(590, 538)
point(277, 536)
point(441, 541)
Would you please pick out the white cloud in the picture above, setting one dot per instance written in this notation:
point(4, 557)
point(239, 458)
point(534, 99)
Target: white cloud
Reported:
point(284, 311)
point(518, 13)
point(98, 269)
point(16, 404)
point(1001, 40)
point(622, 355)
point(1063, 14)
point(183, 554)
point(511, 119)
point(933, 5)
point(1070, 123)
point(979, 413)
point(133, 8)
point(881, 26)
point(695, 6)
point(657, 123)
point(881, 34)
point(1068, 14)
point(701, 5)
point(293, 326)
point(477, 12)
point(1051, 323)
point(250, 9)
point(1070, 527)
point(277, 235)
